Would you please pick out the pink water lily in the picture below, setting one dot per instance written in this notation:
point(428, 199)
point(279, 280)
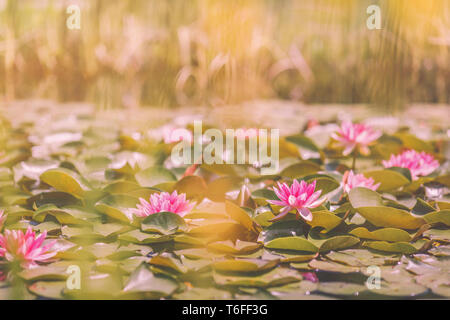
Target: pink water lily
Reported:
point(355, 135)
point(301, 196)
point(26, 248)
point(351, 180)
point(310, 276)
point(420, 164)
point(163, 202)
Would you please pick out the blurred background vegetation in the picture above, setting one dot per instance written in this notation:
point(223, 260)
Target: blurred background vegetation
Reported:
point(131, 53)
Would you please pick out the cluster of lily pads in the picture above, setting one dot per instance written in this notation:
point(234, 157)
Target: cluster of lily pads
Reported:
point(110, 202)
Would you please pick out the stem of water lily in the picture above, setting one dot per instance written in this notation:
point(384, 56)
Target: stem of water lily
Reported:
point(346, 215)
point(354, 162)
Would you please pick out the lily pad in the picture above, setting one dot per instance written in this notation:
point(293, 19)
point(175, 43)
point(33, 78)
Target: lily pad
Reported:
point(163, 222)
point(66, 181)
point(153, 176)
point(384, 234)
point(292, 243)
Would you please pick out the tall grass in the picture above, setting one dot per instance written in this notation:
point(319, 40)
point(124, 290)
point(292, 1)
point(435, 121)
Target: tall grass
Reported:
point(214, 52)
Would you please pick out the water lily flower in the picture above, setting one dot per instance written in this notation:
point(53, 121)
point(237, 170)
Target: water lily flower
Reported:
point(420, 164)
point(163, 202)
point(310, 276)
point(300, 196)
point(351, 180)
point(25, 248)
point(355, 135)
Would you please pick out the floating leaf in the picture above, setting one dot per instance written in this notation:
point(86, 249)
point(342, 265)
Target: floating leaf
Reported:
point(240, 247)
point(136, 236)
point(300, 169)
point(48, 289)
point(325, 219)
point(303, 141)
point(244, 265)
point(217, 189)
point(163, 222)
point(332, 266)
point(326, 184)
point(390, 217)
point(410, 141)
point(66, 181)
point(386, 234)
point(265, 194)
point(397, 247)
point(193, 186)
point(442, 216)
point(291, 243)
point(117, 207)
point(153, 176)
point(143, 280)
point(364, 197)
point(389, 179)
point(367, 203)
point(274, 278)
point(44, 273)
point(284, 228)
point(341, 288)
point(422, 207)
point(239, 215)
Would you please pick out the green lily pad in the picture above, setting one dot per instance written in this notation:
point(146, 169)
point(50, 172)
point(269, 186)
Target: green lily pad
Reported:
point(238, 214)
point(364, 197)
point(48, 289)
point(384, 234)
point(66, 181)
point(139, 237)
point(153, 176)
point(331, 266)
point(142, 280)
point(410, 141)
point(292, 243)
point(323, 182)
point(117, 207)
point(274, 278)
point(388, 179)
point(422, 207)
point(300, 169)
point(217, 189)
point(442, 216)
point(244, 265)
point(44, 273)
point(325, 219)
point(265, 194)
point(193, 186)
point(163, 222)
point(331, 242)
point(390, 217)
point(341, 288)
point(240, 247)
point(397, 247)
